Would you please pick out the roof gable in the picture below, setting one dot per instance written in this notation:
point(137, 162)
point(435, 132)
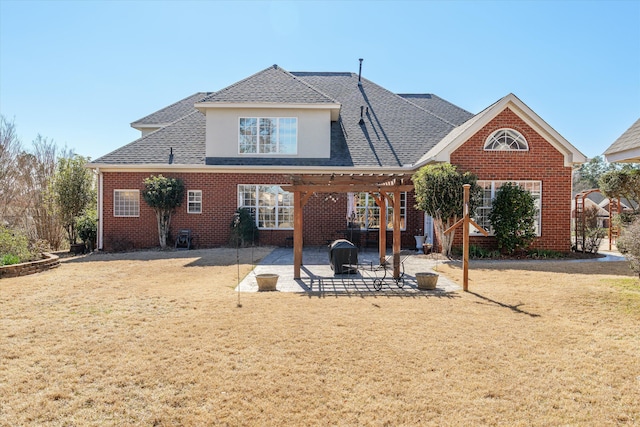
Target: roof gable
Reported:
point(458, 136)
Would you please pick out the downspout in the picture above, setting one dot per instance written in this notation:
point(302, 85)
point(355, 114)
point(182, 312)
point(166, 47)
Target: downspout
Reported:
point(100, 203)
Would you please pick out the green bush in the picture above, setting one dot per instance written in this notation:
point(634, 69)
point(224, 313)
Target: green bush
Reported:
point(87, 226)
point(14, 247)
point(243, 228)
point(512, 217)
point(9, 259)
point(629, 244)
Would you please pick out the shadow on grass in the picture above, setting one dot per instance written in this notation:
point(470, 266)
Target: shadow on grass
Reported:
point(211, 257)
point(514, 308)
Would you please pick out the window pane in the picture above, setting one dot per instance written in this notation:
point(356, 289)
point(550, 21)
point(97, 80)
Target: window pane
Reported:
point(126, 203)
point(288, 135)
point(248, 135)
point(268, 136)
point(194, 202)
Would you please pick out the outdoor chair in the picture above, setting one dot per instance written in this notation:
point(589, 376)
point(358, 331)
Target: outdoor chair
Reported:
point(184, 240)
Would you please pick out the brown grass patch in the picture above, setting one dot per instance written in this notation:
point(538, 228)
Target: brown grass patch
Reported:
point(158, 339)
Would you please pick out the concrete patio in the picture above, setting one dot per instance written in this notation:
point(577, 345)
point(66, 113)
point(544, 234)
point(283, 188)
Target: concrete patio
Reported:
point(317, 275)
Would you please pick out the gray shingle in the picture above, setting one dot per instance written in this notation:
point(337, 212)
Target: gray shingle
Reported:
point(439, 107)
point(186, 136)
point(272, 84)
point(171, 113)
point(629, 140)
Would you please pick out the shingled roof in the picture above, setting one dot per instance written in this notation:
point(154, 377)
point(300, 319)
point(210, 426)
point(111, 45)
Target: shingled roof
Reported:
point(171, 113)
point(392, 131)
point(627, 147)
point(271, 85)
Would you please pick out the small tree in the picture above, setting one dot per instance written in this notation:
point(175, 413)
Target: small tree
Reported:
point(512, 217)
point(243, 228)
point(593, 233)
point(629, 244)
point(73, 188)
point(439, 193)
point(164, 195)
point(624, 183)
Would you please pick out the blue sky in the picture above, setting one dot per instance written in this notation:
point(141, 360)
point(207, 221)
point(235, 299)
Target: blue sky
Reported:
point(79, 72)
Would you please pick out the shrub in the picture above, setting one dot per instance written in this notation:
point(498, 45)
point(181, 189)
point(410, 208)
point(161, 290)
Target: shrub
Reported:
point(512, 217)
point(593, 234)
point(87, 226)
point(243, 228)
point(14, 247)
point(629, 244)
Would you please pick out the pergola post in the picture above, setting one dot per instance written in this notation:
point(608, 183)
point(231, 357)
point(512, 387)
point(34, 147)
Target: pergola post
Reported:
point(382, 231)
point(396, 234)
point(297, 233)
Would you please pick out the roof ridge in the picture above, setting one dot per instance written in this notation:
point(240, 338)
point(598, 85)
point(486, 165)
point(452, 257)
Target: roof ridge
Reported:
point(171, 105)
point(307, 84)
point(277, 68)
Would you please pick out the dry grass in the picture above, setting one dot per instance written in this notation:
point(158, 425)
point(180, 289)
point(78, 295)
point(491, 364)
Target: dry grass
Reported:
point(158, 339)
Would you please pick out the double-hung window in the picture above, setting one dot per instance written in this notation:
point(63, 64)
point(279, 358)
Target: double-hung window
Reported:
point(489, 191)
point(366, 213)
point(126, 203)
point(271, 207)
point(268, 135)
point(194, 201)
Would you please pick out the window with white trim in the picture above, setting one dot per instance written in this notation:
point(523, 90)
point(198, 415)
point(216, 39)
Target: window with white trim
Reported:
point(126, 203)
point(489, 191)
point(268, 135)
point(366, 213)
point(506, 140)
point(271, 207)
point(194, 201)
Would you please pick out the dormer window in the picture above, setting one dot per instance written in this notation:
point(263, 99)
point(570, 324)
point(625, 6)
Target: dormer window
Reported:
point(506, 140)
point(268, 135)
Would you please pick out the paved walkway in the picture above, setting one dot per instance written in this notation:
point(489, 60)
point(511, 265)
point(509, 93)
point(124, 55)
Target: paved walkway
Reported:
point(317, 275)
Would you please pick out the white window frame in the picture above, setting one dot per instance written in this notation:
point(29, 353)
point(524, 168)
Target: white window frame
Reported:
point(257, 198)
point(366, 214)
point(279, 136)
point(123, 208)
point(495, 141)
point(194, 198)
point(490, 188)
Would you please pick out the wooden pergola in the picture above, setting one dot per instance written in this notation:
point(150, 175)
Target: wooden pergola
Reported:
point(383, 187)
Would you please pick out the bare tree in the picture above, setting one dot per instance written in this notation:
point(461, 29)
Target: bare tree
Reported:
point(10, 190)
point(46, 220)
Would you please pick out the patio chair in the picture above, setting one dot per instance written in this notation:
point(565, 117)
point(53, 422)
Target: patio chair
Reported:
point(184, 239)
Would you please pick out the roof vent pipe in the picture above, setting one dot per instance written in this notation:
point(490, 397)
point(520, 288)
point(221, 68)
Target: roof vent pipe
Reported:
point(361, 122)
point(171, 155)
point(360, 73)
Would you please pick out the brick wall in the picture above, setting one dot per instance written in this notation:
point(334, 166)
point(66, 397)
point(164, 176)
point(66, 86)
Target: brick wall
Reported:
point(324, 214)
point(542, 162)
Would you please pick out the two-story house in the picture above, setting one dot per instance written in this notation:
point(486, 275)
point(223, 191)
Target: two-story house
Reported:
point(238, 146)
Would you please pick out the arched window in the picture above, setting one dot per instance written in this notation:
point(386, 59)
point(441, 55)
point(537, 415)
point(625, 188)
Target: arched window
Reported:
point(506, 140)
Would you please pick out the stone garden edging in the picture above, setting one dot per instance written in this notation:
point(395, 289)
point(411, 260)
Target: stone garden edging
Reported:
point(49, 261)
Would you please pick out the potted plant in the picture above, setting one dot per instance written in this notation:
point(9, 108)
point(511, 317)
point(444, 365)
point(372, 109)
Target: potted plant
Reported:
point(427, 280)
point(267, 281)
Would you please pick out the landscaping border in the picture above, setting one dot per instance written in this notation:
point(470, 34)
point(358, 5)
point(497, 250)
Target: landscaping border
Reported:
point(49, 261)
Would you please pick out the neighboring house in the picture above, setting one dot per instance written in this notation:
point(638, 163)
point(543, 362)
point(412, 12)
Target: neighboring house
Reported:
point(237, 146)
point(626, 149)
